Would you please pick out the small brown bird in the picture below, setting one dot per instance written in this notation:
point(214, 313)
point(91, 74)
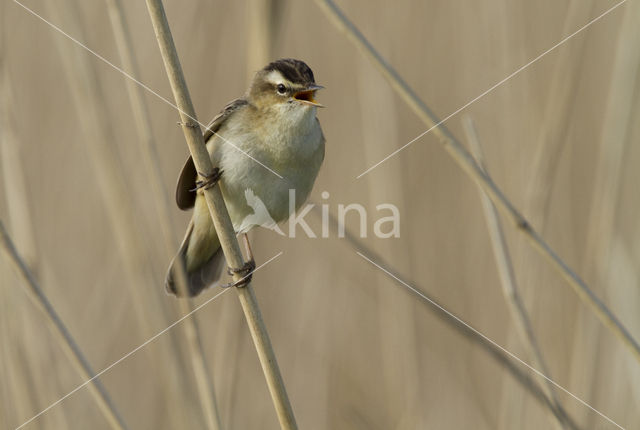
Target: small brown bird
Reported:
point(275, 123)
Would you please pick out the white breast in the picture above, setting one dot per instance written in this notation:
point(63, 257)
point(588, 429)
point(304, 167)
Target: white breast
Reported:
point(293, 148)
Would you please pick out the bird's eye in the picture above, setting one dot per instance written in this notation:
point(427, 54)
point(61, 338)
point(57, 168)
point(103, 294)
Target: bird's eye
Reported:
point(281, 89)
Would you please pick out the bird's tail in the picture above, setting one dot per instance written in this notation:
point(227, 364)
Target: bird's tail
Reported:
point(202, 271)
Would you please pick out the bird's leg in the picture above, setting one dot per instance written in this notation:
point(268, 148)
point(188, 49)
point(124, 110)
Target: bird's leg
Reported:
point(209, 180)
point(246, 270)
point(247, 246)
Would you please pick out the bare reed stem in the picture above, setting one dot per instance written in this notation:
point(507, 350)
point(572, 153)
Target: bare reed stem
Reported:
point(69, 345)
point(19, 375)
point(620, 116)
point(151, 164)
point(87, 94)
point(219, 214)
point(94, 120)
point(507, 275)
point(468, 164)
point(454, 322)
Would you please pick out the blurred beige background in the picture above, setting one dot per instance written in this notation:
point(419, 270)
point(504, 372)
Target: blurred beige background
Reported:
point(356, 350)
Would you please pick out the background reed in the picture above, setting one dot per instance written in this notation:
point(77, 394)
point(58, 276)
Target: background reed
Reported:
point(328, 333)
point(510, 289)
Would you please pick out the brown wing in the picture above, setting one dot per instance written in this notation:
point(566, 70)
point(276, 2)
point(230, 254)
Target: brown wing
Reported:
point(185, 195)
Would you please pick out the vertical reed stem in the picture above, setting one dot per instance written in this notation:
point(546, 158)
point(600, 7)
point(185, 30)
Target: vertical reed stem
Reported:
point(151, 163)
point(507, 275)
point(263, 17)
point(219, 214)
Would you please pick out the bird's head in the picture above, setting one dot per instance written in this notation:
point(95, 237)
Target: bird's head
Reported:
point(287, 85)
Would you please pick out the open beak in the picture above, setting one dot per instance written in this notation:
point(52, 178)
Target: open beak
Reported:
point(307, 96)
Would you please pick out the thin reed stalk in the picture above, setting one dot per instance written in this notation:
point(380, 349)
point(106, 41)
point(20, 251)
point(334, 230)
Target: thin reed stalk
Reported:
point(554, 130)
point(263, 17)
point(555, 124)
point(219, 214)
point(69, 345)
point(468, 164)
point(14, 182)
point(87, 94)
point(151, 162)
point(84, 82)
point(620, 114)
point(17, 398)
point(523, 377)
point(616, 133)
point(507, 275)
point(378, 114)
point(21, 369)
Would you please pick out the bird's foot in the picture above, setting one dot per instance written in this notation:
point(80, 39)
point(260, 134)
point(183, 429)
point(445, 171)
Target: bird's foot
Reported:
point(246, 270)
point(209, 180)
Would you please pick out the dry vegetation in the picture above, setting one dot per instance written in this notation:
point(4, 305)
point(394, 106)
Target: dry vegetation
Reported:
point(88, 213)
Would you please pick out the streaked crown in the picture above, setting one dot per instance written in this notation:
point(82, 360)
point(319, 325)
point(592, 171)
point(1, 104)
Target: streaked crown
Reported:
point(294, 74)
point(295, 71)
